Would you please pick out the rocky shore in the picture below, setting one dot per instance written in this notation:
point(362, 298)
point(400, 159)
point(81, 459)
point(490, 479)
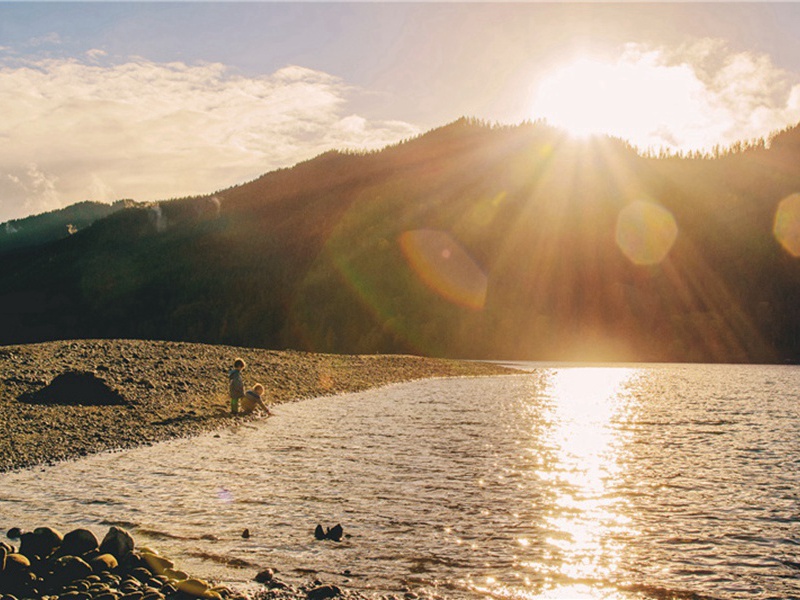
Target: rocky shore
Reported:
point(127, 393)
point(44, 564)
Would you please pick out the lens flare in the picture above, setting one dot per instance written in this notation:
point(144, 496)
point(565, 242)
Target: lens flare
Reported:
point(445, 267)
point(787, 224)
point(645, 232)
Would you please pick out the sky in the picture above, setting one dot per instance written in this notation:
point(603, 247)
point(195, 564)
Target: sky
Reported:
point(153, 100)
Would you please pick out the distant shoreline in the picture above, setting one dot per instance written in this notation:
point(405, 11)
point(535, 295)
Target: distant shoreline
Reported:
point(172, 389)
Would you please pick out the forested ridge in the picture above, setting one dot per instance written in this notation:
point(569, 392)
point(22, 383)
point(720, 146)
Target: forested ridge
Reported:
point(470, 241)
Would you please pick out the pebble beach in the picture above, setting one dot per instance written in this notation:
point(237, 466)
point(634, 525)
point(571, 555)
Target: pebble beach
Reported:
point(169, 389)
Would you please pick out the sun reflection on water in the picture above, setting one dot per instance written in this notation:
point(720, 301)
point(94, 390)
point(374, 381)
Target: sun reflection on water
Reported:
point(584, 520)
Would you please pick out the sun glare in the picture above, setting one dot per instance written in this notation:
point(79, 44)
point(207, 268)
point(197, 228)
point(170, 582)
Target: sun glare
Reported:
point(642, 102)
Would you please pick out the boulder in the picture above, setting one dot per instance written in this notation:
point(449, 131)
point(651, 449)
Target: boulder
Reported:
point(40, 542)
point(117, 542)
point(77, 388)
point(78, 542)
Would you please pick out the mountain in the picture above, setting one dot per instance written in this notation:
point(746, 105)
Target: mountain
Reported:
point(54, 225)
point(470, 241)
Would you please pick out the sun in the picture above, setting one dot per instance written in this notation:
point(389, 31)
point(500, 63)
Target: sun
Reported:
point(646, 103)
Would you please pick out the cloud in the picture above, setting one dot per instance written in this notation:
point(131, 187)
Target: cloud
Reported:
point(76, 130)
point(693, 97)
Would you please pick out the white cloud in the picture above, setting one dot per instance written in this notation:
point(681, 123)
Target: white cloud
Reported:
point(74, 130)
point(693, 97)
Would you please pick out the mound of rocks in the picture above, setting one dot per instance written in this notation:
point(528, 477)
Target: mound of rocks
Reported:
point(77, 566)
point(77, 388)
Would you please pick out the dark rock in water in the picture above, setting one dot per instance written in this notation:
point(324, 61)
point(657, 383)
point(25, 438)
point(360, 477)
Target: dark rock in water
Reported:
point(335, 533)
point(246, 534)
point(14, 533)
point(265, 576)
point(78, 542)
point(324, 591)
point(117, 542)
point(77, 388)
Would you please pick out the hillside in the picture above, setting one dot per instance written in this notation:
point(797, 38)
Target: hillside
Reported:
point(54, 225)
point(469, 241)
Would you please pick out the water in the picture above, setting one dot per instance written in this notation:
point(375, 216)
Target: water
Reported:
point(567, 482)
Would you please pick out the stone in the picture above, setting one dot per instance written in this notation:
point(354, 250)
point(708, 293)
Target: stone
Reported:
point(193, 587)
point(40, 542)
point(246, 534)
point(335, 533)
point(176, 575)
point(103, 563)
point(142, 574)
point(16, 562)
point(14, 533)
point(76, 388)
point(157, 564)
point(324, 591)
point(117, 542)
point(78, 542)
point(265, 576)
point(69, 568)
point(319, 532)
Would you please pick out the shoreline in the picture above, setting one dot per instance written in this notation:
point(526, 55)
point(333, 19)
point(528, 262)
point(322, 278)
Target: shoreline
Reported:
point(172, 390)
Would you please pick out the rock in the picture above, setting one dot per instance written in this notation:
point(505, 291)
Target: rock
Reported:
point(117, 542)
point(335, 533)
point(14, 533)
point(78, 542)
point(142, 574)
point(193, 587)
point(16, 563)
point(324, 591)
point(176, 575)
point(76, 388)
point(40, 542)
point(69, 568)
point(103, 563)
point(246, 534)
point(157, 564)
point(265, 576)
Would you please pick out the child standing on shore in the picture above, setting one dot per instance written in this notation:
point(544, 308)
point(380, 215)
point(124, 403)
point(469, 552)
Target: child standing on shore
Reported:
point(236, 384)
point(252, 399)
